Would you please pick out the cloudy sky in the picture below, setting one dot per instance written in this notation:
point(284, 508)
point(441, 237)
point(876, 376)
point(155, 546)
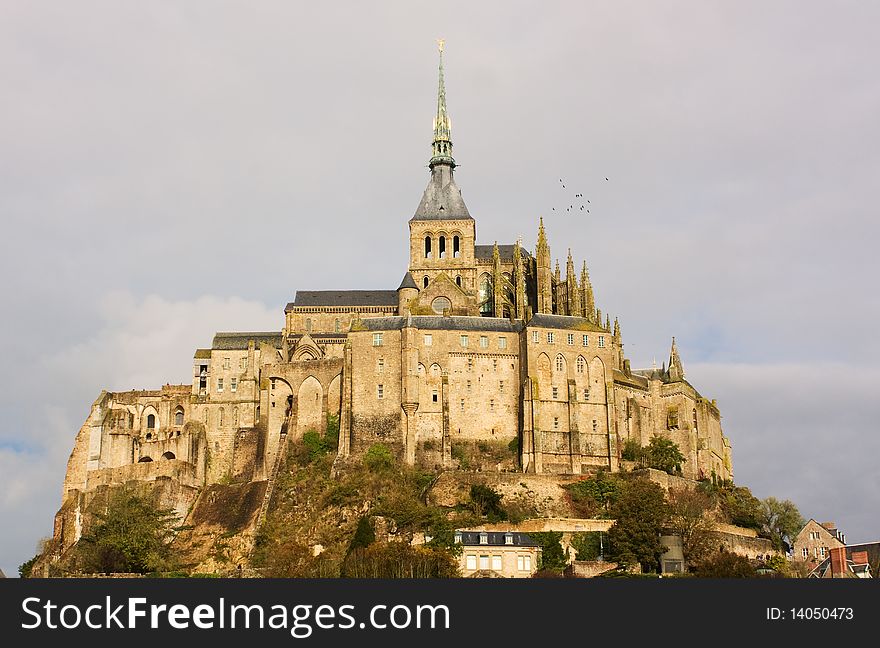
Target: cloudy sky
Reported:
point(168, 169)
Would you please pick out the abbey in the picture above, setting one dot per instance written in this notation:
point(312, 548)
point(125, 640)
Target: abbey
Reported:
point(485, 344)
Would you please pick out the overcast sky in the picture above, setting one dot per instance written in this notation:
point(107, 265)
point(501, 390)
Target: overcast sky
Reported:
point(169, 169)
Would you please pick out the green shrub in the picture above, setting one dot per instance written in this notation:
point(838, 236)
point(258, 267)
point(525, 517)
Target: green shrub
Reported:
point(378, 458)
point(588, 545)
point(552, 555)
point(486, 501)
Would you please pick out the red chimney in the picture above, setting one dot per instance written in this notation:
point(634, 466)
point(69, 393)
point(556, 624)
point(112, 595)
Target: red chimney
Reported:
point(860, 557)
point(838, 562)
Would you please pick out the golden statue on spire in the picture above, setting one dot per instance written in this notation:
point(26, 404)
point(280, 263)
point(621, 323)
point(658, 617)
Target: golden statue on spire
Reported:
point(440, 43)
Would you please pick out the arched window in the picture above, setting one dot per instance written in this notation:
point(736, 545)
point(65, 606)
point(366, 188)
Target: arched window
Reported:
point(427, 247)
point(168, 455)
point(308, 324)
point(425, 282)
point(695, 419)
point(580, 364)
point(456, 247)
point(458, 281)
point(336, 325)
point(486, 305)
point(560, 363)
point(441, 248)
point(178, 416)
point(151, 421)
point(145, 459)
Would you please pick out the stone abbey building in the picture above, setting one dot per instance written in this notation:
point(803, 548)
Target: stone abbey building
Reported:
point(478, 343)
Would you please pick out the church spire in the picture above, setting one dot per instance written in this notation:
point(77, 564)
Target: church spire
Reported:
point(676, 371)
point(441, 149)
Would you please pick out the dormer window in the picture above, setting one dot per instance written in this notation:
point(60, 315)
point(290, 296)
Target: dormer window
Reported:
point(458, 537)
point(508, 538)
point(484, 538)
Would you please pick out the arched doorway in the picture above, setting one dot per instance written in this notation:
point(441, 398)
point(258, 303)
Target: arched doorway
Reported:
point(309, 407)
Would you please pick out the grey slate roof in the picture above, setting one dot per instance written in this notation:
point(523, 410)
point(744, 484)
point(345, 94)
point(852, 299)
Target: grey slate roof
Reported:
point(225, 341)
point(546, 320)
point(442, 198)
point(496, 539)
point(504, 251)
point(440, 323)
point(312, 298)
point(407, 282)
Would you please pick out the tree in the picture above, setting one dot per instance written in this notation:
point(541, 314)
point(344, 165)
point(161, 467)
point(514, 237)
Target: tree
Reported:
point(724, 564)
point(399, 560)
point(363, 536)
point(595, 495)
point(486, 501)
point(663, 454)
point(132, 536)
point(639, 513)
point(588, 545)
point(660, 453)
point(781, 522)
point(552, 555)
point(688, 519)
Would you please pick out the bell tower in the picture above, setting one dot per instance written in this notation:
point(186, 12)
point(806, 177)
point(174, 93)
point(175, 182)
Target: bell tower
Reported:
point(442, 233)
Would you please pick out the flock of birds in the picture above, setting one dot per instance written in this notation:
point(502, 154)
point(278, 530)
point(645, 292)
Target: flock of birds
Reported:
point(583, 206)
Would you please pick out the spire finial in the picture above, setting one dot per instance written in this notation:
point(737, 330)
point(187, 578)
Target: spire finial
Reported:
point(441, 149)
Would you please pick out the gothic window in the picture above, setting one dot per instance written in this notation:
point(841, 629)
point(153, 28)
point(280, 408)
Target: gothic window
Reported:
point(425, 281)
point(336, 326)
point(486, 306)
point(427, 247)
point(308, 324)
point(560, 363)
point(178, 416)
point(441, 248)
point(458, 280)
point(456, 251)
point(151, 421)
point(580, 364)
